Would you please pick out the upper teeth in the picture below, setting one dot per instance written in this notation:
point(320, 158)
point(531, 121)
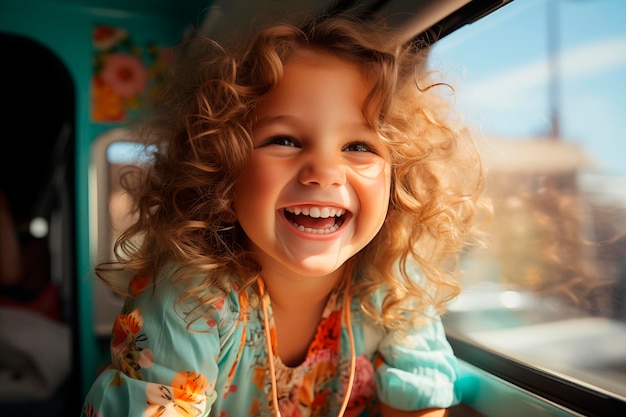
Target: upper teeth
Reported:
point(317, 212)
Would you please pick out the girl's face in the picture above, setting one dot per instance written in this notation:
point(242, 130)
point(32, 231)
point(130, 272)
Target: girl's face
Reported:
point(316, 189)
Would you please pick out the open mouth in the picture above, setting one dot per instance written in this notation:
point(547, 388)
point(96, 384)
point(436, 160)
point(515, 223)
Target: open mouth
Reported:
point(316, 220)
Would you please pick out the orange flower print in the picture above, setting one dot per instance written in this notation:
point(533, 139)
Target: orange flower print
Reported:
point(315, 383)
point(378, 361)
point(320, 400)
point(328, 332)
point(125, 328)
point(139, 283)
point(185, 397)
point(127, 356)
point(259, 376)
point(125, 74)
point(106, 105)
point(255, 407)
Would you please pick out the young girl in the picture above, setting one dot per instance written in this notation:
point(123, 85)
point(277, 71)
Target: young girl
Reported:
point(296, 234)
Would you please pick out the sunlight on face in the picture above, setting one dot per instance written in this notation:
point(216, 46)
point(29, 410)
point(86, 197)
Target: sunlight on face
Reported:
point(316, 189)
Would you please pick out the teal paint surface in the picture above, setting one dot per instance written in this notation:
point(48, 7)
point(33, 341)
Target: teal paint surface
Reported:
point(65, 28)
point(495, 397)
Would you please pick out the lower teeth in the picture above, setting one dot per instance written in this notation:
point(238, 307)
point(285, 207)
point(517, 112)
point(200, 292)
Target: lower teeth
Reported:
point(315, 231)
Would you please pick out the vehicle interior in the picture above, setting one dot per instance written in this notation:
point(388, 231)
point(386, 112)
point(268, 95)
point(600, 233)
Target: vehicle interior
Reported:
point(540, 327)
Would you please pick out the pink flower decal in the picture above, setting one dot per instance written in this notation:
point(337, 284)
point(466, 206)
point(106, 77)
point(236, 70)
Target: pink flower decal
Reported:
point(125, 74)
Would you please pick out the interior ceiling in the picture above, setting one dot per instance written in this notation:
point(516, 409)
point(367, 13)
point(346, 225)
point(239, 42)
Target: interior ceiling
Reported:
point(224, 18)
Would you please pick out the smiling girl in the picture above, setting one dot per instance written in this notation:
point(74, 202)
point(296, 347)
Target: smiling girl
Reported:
point(297, 233)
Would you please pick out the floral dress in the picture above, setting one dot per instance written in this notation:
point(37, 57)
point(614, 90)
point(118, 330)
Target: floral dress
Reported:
point(218, 366)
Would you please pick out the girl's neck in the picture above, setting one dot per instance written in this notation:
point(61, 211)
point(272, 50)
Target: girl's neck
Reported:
point(297, 305)
point(289, 293)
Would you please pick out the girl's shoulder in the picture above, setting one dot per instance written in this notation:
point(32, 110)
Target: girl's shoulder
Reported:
point(200, 304)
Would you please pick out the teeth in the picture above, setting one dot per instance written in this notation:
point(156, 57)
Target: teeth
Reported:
point(315, 231)
point(317, 212)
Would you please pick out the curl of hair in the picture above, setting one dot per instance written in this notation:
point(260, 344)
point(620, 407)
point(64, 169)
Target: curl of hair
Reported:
point(201, 122)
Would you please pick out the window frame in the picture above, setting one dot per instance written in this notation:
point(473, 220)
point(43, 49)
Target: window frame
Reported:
point(555, 394)
point(564, 392)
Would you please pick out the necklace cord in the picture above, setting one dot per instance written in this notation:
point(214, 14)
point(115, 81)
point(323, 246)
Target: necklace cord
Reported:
point(348, 317)
point(270, 352)
point(268, 345)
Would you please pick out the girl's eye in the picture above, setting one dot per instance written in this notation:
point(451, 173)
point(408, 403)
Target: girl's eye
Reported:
point(281, 141)
point(359, 147)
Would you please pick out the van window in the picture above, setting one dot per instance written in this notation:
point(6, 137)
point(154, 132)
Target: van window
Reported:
point(113, 152)
point(543, 83)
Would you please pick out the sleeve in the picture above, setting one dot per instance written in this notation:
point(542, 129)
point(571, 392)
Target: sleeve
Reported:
point(159, 366)
point(418, 372)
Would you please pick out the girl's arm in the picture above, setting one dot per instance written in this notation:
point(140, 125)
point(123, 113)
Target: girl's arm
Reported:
point(387, 411)
point(418, 373)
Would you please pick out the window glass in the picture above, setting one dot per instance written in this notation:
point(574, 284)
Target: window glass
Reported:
point(114, 153)
point(544, 81)
point(120, 156)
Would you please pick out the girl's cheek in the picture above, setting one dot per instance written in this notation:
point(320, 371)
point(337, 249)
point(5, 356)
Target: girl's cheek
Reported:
point(372, 169)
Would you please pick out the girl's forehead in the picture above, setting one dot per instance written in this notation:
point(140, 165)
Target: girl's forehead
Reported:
point(316, 81)
point(317, 55)
point(314, 66)
point(314, 57)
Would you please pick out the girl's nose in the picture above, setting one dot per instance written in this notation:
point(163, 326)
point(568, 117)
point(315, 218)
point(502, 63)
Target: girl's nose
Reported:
point(323, 171)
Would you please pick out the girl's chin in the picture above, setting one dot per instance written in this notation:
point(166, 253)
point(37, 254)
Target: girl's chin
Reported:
point(317, 266)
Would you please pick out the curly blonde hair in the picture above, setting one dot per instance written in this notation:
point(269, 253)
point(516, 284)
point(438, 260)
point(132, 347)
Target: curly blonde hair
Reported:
point(201, 124)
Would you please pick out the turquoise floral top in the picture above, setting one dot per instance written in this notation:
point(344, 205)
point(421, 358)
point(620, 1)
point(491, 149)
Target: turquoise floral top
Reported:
point(219, 366)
